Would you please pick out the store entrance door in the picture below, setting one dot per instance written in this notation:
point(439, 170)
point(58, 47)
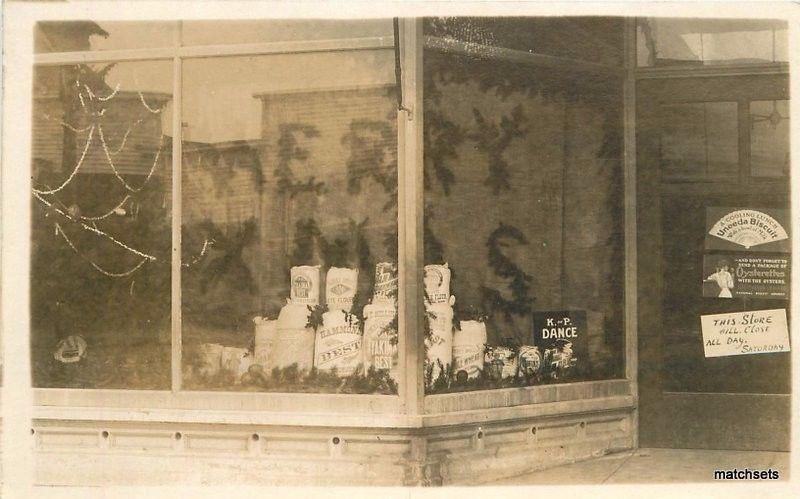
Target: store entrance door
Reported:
point(708, 146)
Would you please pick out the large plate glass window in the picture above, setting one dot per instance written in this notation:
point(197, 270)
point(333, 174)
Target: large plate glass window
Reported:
point(100, 273)
point(523, 205)
point(289, 222)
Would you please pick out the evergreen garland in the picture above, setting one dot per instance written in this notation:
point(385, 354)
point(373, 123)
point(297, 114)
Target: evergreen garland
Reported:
point(239, 154)
point(493, 140)
point(441, 140)
point(521, 302)
point(433, 247)
point(370, 143)
point(289, 150)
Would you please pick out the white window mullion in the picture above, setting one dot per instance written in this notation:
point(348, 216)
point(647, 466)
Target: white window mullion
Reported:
point(410, 204)
point(177, 112)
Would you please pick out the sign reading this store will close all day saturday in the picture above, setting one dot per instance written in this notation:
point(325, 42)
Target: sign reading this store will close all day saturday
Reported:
point(747, 253)
point(742, 333)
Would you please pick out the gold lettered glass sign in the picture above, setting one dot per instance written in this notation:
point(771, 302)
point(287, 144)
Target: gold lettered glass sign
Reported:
point(743, 333)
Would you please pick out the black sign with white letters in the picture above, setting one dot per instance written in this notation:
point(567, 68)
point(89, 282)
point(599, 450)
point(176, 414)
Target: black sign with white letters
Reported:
point(551, 329)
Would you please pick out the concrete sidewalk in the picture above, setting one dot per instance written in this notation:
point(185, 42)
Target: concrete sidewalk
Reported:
point(654, 466)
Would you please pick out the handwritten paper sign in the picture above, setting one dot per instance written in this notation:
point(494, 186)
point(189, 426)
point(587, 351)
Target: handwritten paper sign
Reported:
point(742, 333)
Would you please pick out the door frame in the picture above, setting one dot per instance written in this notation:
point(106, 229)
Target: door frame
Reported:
point(658, 407)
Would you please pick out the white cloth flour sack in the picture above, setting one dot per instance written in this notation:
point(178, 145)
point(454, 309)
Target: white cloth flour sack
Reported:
point(236, 361)
point(305, 285)
point(439, 346)
point(338, 343)
point(437, 283)
point(340, 288)
point(469, 346)
point(210, 359)
point(379, 352)
point(266, 334)
point(295, 342)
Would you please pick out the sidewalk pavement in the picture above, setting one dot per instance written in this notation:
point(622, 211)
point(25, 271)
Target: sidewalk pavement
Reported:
point(654, 466)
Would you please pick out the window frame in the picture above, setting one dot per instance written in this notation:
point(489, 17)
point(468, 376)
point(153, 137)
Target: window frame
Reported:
point(410, 403)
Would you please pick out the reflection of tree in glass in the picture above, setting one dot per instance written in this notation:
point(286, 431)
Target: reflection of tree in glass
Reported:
point(101, 241)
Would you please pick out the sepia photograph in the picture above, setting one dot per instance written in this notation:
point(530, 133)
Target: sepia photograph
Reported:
point(503, 247)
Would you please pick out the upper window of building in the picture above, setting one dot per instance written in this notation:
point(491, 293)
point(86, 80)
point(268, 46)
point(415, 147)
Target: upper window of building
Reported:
point(699, 42)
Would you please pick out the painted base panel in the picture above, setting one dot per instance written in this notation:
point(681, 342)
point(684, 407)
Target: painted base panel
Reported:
point(127, 453)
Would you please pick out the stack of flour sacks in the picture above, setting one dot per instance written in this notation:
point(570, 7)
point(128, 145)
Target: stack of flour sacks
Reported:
point(339, 342)
point(462, 349)
point(465, 349)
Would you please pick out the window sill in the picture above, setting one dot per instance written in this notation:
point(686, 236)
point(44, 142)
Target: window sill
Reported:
point(338, 410)
point(210, 405)
point(510, 397)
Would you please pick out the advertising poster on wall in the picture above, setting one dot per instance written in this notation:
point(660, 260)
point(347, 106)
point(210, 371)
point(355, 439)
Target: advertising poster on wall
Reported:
point(747, 253)
point(746, 275)
point(762, 230)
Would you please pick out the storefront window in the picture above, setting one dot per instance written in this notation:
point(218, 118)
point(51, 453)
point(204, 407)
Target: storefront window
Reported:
point(100, 273)
point(289, 216)
point(523, 219)
point(288, 209)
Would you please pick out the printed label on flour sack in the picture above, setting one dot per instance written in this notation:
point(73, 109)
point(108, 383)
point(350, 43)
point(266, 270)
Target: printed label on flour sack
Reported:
point(379, 336)
point(385, 282)
point(294, 342)
point(340, 288)
point(469, 343)
point(437, 283)
point(338, 343)
point(305, 285)
point(743, 333)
